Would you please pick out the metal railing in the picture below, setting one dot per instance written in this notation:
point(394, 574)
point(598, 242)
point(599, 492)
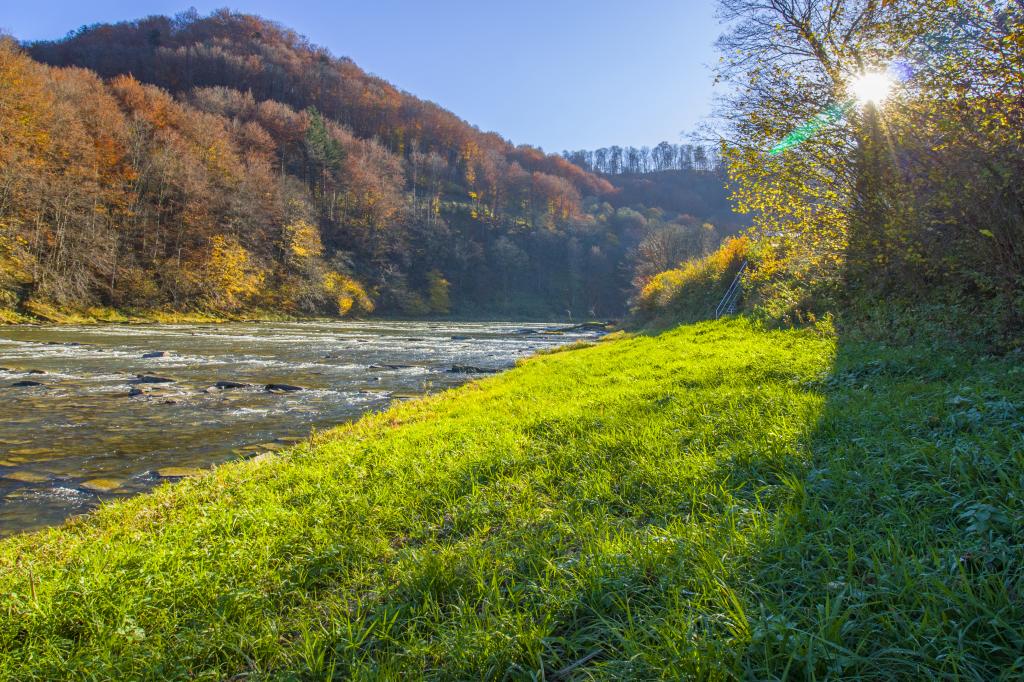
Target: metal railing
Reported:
point(727, 306)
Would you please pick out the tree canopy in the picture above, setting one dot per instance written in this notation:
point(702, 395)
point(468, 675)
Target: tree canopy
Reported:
point(916, 194)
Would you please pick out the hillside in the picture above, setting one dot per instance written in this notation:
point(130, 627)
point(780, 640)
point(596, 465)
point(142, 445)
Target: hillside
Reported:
point(226, 164)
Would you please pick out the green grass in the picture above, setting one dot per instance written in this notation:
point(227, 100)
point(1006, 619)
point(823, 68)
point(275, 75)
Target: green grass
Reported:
point(717, 502)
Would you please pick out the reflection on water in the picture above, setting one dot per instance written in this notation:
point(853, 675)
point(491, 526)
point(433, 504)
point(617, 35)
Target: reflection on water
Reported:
point(91, 430)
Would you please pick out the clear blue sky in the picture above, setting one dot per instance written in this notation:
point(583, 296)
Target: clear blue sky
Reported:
point(562, 74)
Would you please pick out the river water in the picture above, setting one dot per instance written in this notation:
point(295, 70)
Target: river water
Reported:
point(81, 437)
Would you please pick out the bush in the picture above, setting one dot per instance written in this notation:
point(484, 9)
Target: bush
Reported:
point(692, 291)
point(349, 294)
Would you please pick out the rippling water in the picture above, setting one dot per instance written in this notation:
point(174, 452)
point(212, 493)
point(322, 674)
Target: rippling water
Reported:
point(80, 437)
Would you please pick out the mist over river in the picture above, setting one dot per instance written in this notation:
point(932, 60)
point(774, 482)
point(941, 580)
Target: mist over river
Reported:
point(99, 425)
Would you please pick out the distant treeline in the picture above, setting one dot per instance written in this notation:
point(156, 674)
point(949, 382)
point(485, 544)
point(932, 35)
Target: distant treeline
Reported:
point(616, 160)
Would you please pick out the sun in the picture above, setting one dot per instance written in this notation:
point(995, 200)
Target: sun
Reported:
point(871, 87)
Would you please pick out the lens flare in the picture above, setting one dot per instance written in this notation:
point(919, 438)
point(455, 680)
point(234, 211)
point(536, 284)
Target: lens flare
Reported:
point(871, 87)
point(806, 130)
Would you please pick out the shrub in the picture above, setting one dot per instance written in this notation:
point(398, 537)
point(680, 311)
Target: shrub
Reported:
point(692, 291)
point(349, 294)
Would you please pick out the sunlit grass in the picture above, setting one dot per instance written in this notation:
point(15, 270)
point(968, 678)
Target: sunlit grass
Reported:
point(716, 501)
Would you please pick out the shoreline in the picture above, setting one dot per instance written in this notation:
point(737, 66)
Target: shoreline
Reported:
point(7, 319)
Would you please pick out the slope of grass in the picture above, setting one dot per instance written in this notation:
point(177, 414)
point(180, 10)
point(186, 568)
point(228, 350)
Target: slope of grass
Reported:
point(716, 501)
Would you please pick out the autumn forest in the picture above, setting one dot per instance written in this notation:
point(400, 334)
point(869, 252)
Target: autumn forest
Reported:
point(225, 164)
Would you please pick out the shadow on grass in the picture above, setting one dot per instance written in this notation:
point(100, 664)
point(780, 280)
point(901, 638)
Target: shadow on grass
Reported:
point(900, 554)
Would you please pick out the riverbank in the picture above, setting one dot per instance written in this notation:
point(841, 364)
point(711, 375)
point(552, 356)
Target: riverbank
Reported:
point(713, 501)
point(45, 314)
point(50, 315)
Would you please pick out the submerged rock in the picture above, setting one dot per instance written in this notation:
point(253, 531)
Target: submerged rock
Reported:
point(178, 472)
point(157, 354)
point(102, 485)
point(264, 457)
point(25, 384)
point(282, 388)
point(588, 327)
point(226, 385)
point(382, 366)
point(26, 477)
point(471, 369)
point(150, 379)
point(147, 390)
point(460, 337)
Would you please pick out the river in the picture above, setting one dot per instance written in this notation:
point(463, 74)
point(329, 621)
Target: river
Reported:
point(81, 437)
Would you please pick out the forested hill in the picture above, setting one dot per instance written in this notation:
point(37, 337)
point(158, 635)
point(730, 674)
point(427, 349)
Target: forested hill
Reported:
point(225, 163)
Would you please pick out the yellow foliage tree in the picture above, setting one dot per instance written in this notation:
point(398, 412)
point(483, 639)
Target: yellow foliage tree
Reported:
point(229, 276)
point(302, 240)
point(349, 294)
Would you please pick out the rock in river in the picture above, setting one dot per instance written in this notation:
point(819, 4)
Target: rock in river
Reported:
point(102, 485)
point(470, 369)
point(25, 384)
point(225, 385)
point(26, 477)
point(281, 388)
point(150, 379)
point(178, 472)
point(147, 390)
point(157, 354)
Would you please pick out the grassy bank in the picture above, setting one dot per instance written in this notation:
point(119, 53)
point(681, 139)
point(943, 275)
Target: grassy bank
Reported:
point(715, 501)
